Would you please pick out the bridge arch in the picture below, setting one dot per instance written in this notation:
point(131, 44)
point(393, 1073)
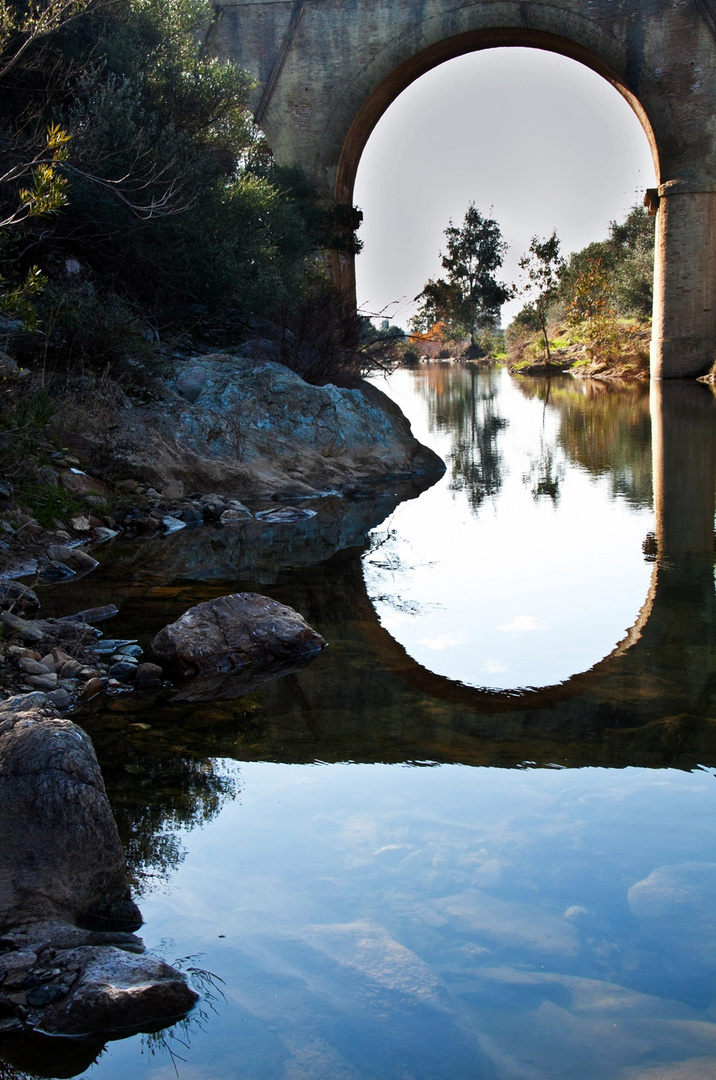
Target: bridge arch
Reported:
point(449, 49)
point(325, 71)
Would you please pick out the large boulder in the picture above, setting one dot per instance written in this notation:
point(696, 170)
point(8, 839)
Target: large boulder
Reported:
point(60, 853)
point(228, 646)
point(69, 963)
point(233, 423)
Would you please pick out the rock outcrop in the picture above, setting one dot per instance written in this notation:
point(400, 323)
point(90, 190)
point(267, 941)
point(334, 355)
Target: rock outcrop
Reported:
point(231, 424)
point(228, 646)
point(69, 963)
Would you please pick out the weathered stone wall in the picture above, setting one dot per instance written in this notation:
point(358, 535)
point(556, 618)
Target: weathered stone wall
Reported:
point(326, 70)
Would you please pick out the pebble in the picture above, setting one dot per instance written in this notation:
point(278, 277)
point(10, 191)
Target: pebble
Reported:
point(33, 667)
point(61, 699)
point(124, 670)
point(71, 669)
point(43, 682)
point(233, 517)
point(91, 688)
point(149, 677)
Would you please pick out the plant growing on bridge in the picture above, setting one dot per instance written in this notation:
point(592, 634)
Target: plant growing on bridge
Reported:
point(469, 298)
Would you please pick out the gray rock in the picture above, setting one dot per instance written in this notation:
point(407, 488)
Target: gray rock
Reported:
point(92, 615)
point(285, 515)
point(244, 638)
point(191, 516)
point(60, 699)
point(60, 855)
point(148, 677)
point(29, 632)
point(112, 645)
point(234, 517)
point(77, 559)
point(43, 682)
point(54, 571)
point(22, 703)
point(61, 863)
point(124, 671)
point(32, 667)
point(259, 428)
point(172, 524)
point(118, 990)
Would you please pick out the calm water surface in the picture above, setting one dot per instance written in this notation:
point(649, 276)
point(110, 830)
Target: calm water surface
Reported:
point(476, 837)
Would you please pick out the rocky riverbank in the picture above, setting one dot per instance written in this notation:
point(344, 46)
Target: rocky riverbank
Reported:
point(221, 432)
point(70, 963)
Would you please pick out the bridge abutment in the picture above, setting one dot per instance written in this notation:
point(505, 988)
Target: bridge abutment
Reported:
point(684, 322)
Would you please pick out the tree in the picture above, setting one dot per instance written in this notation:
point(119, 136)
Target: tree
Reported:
point(627, 260)
point(543, 266)
point(592, 316)
point(469, 298)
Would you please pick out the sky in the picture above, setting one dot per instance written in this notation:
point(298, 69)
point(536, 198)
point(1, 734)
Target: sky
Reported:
point(534, 139)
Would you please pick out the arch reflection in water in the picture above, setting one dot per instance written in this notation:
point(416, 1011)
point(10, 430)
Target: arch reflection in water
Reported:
point(525, 565)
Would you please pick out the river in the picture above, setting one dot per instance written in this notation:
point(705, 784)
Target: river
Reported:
point(476, 837)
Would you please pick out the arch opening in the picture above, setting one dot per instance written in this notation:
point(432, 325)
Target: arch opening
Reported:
point(532, 137)
point(449, 49)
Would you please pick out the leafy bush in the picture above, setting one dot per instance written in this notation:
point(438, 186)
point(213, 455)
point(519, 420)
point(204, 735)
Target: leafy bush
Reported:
point(173, 198)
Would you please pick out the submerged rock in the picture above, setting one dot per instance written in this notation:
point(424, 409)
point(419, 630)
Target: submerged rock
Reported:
point(285, 515)
point(244, 637)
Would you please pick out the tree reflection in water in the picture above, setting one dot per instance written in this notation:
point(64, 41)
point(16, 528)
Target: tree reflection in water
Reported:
point(603, 426)
point(465, 408)
point(157, 786)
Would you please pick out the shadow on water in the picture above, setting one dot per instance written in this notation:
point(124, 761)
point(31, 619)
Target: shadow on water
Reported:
point(650, 702)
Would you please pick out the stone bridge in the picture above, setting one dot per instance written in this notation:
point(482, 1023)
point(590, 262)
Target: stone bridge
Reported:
point(326, 70)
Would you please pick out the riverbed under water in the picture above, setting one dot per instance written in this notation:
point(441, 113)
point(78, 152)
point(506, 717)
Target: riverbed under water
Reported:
point(476, 837)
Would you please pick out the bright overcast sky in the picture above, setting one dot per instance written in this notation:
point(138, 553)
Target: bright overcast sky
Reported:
point(534, 139)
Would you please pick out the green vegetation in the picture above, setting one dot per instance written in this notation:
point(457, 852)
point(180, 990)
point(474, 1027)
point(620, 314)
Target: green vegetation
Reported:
point(468, 300)
point(599, 300)
point(543, 266)
point(137, 194)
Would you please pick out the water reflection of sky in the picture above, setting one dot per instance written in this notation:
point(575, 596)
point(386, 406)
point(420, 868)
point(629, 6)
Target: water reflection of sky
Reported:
point(377, 922)
point(384, 922)
point(523, 589)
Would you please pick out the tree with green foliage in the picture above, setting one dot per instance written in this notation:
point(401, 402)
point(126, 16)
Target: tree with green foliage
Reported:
point(469, 298)
point(172, 201)
point(543, 266)
point(592, 316)
point(626, 259)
